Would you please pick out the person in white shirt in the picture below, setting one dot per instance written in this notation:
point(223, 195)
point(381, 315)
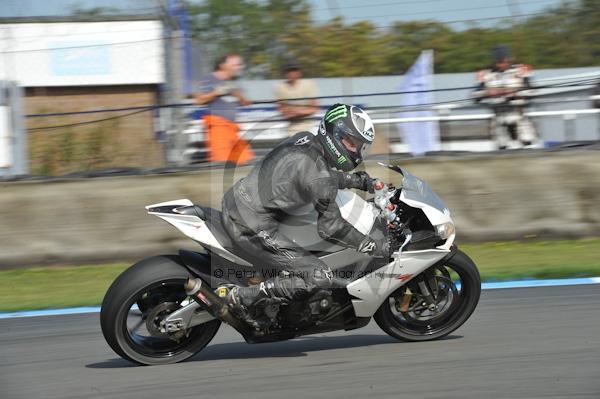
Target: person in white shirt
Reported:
point(505, 88)
point(297, 112)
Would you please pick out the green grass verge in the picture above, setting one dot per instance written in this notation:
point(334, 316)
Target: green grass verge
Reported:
point(58, 287)
point(536, 259)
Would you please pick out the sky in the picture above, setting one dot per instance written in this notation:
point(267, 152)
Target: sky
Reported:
point(385, 12)
point(379, 12)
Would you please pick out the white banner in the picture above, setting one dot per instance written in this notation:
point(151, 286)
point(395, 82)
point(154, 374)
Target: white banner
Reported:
point(5, 138)
point(82, 53)
point(420, 137)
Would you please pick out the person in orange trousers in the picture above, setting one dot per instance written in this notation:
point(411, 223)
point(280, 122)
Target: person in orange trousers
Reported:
point(224, 142)
point(222, 98)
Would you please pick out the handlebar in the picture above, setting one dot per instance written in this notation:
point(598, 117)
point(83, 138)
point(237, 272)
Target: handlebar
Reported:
point(387, 198)
point(384, 194)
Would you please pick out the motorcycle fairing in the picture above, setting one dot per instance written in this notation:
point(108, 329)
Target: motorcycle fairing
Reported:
point(372, 289)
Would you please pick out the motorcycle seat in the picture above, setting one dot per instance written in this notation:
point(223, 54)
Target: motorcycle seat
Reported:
point(192, 210)
point(214, 222)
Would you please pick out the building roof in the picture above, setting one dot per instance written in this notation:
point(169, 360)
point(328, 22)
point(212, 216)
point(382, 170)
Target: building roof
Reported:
point(77, 18)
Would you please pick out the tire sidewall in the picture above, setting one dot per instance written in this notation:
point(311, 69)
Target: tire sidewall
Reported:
point(114, 311)
point(387, 322)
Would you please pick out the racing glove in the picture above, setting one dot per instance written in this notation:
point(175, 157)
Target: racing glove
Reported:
point(359, 180)
point(376, 248)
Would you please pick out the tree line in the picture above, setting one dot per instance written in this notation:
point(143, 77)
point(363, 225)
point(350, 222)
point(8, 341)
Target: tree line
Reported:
point(269, 32)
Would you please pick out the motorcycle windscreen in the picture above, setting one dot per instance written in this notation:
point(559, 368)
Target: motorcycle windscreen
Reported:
point(418, 194)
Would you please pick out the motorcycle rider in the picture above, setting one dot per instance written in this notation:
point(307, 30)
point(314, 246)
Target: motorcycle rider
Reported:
point(504, 88)
point(303, 170)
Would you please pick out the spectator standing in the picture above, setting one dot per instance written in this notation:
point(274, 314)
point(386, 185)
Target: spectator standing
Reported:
point(504, 88)
point(596, 96)
point(222, 98)
point(296, 112)
point(596, 102)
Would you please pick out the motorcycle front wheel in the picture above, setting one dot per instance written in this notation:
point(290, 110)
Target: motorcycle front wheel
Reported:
point(138, 300)
point(433, 304)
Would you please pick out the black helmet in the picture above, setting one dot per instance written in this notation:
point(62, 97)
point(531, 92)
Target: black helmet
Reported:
point(345, 132)
point(291, 65)
point(500, 52)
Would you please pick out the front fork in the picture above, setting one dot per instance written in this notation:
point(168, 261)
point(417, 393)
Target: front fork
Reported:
point(427, 285)
point(425, 291)
point(429, 289)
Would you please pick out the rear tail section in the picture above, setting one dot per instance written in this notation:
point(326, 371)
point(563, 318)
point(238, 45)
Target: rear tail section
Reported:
point(191, 220)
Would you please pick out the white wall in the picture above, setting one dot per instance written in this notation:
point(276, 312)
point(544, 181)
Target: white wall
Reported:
point(5, 138)
point(82, 53)
point(496, 197)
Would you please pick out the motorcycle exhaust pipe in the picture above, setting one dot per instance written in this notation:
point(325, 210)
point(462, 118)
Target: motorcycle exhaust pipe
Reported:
point(215, 305)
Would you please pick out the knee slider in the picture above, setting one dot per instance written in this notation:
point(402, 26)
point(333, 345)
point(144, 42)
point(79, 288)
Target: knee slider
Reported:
point(289, 287)
point(323, 277)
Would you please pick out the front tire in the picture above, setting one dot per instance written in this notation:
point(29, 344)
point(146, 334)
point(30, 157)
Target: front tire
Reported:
point(147, 291)
point(459, 288)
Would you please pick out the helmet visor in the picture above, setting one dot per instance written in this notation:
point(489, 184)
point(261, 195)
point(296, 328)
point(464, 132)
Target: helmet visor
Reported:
point(355, 145)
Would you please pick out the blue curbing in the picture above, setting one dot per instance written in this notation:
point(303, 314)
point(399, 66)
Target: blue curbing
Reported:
point(50, 312)
point(540, 283)
point(485, 286)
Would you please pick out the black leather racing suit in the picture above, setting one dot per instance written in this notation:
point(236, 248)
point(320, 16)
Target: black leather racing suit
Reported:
point(292, 175)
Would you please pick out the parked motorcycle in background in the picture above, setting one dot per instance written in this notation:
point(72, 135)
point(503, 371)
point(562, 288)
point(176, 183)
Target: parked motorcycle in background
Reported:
point(164, 309)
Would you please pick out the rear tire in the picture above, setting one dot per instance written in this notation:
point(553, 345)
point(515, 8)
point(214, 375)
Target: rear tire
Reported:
point(464, 301)
point(163, 277)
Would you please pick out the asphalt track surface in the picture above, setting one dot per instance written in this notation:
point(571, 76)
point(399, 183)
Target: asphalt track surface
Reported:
point(520, 343)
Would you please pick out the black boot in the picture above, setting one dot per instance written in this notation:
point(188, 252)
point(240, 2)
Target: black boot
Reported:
point(244, 297)
point(249, 303)
point(254, 305)
point(285, 287)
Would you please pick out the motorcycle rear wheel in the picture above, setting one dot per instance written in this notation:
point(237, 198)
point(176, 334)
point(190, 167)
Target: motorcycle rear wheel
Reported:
point(136, 302)
point(459, 288)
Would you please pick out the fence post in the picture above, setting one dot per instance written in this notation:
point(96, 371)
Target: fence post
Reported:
point(13, 140)
point(569, 123)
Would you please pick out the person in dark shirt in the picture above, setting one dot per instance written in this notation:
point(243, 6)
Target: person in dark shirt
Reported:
point(222, 97)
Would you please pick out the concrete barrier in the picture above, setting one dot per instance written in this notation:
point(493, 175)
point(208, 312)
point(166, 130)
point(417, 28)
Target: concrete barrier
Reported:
point(492, 197)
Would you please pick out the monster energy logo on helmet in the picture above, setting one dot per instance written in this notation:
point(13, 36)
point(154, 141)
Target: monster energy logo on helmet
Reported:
point(336, 113)
point(332, 148)
point(334, 151)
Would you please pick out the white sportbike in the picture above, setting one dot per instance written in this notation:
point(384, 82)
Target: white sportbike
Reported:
point(165, 309)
